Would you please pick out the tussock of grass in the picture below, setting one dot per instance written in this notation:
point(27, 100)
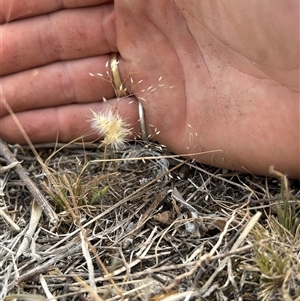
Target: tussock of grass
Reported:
point(154, 229)
point(276, 255)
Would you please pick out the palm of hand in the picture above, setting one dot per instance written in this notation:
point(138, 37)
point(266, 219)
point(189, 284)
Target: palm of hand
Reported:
point(224, 95)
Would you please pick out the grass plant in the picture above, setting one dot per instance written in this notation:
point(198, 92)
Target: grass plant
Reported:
point(277, 246)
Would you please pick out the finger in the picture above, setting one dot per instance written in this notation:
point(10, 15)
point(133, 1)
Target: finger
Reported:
point(57, 84)
point(12, 10)
point(66, 123)
point(64, 35)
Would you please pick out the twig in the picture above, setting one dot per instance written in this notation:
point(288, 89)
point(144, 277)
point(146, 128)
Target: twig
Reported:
point(44, 267)
point(29, 183)
point(9, 220)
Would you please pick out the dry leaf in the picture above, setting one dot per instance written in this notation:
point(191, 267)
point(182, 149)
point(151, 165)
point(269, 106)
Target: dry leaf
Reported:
point(164, 217)
point(220, 223)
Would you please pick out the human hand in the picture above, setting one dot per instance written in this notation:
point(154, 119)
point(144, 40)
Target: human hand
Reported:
point(46, 58)
point(234, 72)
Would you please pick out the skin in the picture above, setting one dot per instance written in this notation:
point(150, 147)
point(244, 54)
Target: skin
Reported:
point(224, 75)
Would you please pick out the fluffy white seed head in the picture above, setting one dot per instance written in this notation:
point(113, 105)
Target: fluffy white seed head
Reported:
point(112, 127)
